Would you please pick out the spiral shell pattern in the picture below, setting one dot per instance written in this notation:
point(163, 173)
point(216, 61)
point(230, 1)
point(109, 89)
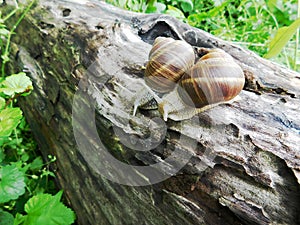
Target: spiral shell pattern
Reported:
point(168, 61)
point(215, 78)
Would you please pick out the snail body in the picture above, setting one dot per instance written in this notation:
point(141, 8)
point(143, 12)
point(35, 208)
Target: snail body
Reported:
point(194, 87)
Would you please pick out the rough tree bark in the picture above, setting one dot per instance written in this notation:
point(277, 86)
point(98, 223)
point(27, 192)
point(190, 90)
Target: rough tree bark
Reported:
point(243, 158)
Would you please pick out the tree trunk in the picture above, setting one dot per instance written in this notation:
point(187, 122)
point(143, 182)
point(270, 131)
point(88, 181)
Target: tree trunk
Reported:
point(236, 163)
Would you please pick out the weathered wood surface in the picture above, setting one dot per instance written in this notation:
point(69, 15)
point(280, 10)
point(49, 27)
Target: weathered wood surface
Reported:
point(242, 159)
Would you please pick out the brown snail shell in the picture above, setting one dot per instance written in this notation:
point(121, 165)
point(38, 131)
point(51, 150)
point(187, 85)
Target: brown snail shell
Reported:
point(215, 78)
point(168, 60)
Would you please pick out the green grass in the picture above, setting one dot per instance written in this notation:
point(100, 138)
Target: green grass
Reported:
point(248, 23)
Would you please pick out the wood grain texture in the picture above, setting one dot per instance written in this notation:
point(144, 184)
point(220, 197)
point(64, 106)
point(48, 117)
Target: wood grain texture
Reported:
point(244, 168)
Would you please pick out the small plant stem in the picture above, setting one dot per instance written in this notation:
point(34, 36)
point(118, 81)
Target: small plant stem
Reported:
point(297, 41)
point(286, 58)
point(16, 136)
point(10, 14)
point(11, 100)
point(6, 50)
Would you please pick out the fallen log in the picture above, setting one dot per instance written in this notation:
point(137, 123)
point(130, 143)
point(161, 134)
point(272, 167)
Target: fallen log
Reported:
point(236, 163)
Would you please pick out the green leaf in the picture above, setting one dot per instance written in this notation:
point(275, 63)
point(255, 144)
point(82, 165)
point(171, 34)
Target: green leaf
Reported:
point(272, 4)
point(9, 120)
point(218, 9)
point(47, 209)
point(12, 183)
point(16, 83)
point(196, 18)
point(160, 7)
point(283, 35)
point(6, 218)
point(175, 12)
point(186, 5)
point(2, 154)
point(25, 157)
point(4, 32)
point(19, 219)
point(36, 164)
point(5, 58)
point(48, 173)
point(2, 103)
point(156, 7)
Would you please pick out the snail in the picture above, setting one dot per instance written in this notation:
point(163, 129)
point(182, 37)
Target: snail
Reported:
point(168, 61)
point(188, 87)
